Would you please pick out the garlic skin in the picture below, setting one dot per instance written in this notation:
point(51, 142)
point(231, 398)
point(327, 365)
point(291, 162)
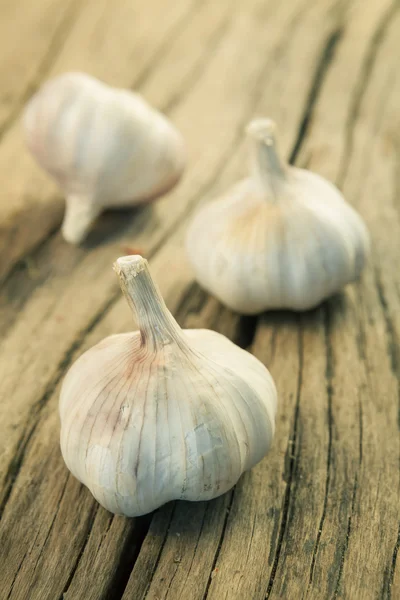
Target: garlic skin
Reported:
point(284, 238)
point(163, 413)
point(105, 147)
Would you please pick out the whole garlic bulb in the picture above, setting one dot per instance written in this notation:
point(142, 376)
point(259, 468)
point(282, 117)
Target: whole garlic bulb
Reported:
point(282, 238)
point(105, 147)
point(163, 413)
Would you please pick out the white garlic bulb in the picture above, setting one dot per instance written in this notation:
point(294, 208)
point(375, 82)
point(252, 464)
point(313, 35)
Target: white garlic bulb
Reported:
point(105, 147)
point(282, 238)
point(163, 413)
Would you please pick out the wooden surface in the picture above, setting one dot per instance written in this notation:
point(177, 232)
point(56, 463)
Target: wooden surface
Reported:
point(319, 516)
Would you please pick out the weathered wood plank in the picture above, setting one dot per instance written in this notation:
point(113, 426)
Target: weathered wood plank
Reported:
point(371, 178)
point(319, 517)
point(310, 530)
point(344, 456)
point(310, 557)
point(365, 448)
point(258, 509)
point(55, 293)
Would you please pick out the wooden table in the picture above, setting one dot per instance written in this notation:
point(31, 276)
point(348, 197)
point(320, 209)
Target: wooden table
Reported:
point(319, 517)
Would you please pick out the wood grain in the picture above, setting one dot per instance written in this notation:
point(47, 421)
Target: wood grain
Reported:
point(319, 516)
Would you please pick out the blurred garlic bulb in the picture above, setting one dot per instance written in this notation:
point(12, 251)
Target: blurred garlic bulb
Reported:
point(105, 147)
point(163, 413)
point(283, 238)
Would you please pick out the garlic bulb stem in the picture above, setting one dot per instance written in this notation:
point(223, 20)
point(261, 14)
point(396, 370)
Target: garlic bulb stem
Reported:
point(269, 168)
point(156, 324)
point(80, 214)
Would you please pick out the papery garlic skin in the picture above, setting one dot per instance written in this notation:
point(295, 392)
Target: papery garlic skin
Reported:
point(105, 147)
point(283, 238)
point(163, 413)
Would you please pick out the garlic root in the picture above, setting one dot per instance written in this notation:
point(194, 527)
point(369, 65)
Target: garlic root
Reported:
point(80, 214)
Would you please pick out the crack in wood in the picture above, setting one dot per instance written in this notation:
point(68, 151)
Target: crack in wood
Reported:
point(291, 465)
point(361, 341)
point(129, 554)
point(34, 542)
point(16, 465)
point(22, 264)
point(176, 566)
point(393, 346)
point(52, 521)
point(251, 538)
point(224, 526)
point(337, 590)
point(361, 87)
point(88, 529)
point(361, 429)
point(246, 331)
point(393, 566)
point(196, 546)
point(16, 574)
point(329, 375)
point(327, 56)
point(161, 550)
point(194, 553)
point(396, 174)
point(393, 353)
point(20, 565)
point(192, 301)
point(110, 522)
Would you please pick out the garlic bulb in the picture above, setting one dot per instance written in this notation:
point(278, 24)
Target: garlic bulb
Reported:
point(105, 147)
point(282, 238)
point(163, 413)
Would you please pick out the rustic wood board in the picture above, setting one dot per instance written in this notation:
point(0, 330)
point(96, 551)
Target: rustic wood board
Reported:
point(319, 516)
